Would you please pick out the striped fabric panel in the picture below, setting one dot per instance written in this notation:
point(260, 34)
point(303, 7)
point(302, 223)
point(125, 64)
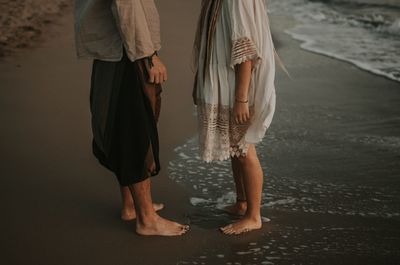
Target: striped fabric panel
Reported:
point(243, 49)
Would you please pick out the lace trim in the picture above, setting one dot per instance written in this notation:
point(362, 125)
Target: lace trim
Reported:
point(243, 50)
point(220, 137)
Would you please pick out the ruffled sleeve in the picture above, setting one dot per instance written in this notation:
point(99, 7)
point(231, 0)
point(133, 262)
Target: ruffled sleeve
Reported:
point(245, 36)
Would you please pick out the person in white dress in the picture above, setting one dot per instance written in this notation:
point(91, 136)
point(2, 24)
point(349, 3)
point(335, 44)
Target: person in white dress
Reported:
point(235, 95)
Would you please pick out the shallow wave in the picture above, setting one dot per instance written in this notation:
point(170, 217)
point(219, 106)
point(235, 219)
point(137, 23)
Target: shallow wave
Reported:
point(212, 187)
point(366, 35)
point(363, 3)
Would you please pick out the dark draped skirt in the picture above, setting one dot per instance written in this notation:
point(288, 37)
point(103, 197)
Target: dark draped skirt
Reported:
point(125, 111)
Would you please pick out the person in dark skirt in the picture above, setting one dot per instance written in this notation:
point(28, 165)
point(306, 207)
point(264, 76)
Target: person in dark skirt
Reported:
point(123, 37)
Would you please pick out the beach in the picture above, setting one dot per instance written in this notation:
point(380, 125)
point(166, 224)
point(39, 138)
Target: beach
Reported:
point(24, 23)
point(331, 160)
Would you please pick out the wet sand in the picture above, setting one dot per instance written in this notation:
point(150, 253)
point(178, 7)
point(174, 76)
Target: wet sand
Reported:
point(60, 207)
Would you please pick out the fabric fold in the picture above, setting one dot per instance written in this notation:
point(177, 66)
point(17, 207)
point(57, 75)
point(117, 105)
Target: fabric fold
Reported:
point(104, 28)
point(240, 33)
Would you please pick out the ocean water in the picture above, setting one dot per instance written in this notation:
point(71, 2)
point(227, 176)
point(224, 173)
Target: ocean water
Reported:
point(363, 32)
point(292, 190)
point(322, 219)
point(331, 191)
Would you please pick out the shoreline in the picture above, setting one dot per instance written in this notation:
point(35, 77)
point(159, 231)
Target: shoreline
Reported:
point(304, 43)
point(348, 31)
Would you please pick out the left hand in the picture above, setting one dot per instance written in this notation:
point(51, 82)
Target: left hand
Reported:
point(241, 113)
point(157, 72)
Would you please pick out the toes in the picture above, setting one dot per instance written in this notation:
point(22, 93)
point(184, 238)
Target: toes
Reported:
point(183, 229)
point(227, 230)
point(234, 230)
point(243, 231)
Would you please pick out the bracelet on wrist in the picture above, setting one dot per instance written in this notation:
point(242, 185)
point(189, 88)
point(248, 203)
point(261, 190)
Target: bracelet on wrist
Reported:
point(241, 101)
point(150, 59)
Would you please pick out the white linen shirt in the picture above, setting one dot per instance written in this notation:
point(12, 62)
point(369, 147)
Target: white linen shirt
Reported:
point(104, 28)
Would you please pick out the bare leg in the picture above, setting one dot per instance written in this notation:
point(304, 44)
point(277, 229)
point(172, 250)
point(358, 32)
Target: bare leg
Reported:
point(150, 163)
point(128, 212)
point(148, 222)
point(240, 207)
point(253, 181)
point(151, 91)
point(128, 208)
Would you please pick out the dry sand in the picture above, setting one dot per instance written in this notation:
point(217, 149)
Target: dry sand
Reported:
point(24, 22)
point(60, 207)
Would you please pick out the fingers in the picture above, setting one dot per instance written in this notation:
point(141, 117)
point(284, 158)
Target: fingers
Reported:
point(157, 72)
point(165, 75)
point(155, 77)
point(158, 77)
point(152, 77)
point(242, 118)
point(246, 118)
point(238, 119)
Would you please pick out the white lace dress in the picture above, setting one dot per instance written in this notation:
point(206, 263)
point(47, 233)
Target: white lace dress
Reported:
point(242, 33)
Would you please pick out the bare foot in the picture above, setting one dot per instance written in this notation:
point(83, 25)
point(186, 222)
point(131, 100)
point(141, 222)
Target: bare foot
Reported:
point(161, 227)
point(129, 213)
point(245, 225)
point(239, 208)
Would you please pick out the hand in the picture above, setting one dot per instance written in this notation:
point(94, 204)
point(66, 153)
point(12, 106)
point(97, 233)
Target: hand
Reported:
point(241, 113)
point(157, 72)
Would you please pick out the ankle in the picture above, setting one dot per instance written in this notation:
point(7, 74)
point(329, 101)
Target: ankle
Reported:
point(241, 200)
point(241, 205)
point(255, 217)
point(147, 218)
point(128, 205)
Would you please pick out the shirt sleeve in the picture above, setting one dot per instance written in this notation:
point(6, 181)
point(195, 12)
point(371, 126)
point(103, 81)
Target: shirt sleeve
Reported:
point(133, 24)
point(246, 26)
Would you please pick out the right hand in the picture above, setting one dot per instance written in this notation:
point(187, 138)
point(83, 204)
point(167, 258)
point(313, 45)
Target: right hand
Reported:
point(241, 113)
